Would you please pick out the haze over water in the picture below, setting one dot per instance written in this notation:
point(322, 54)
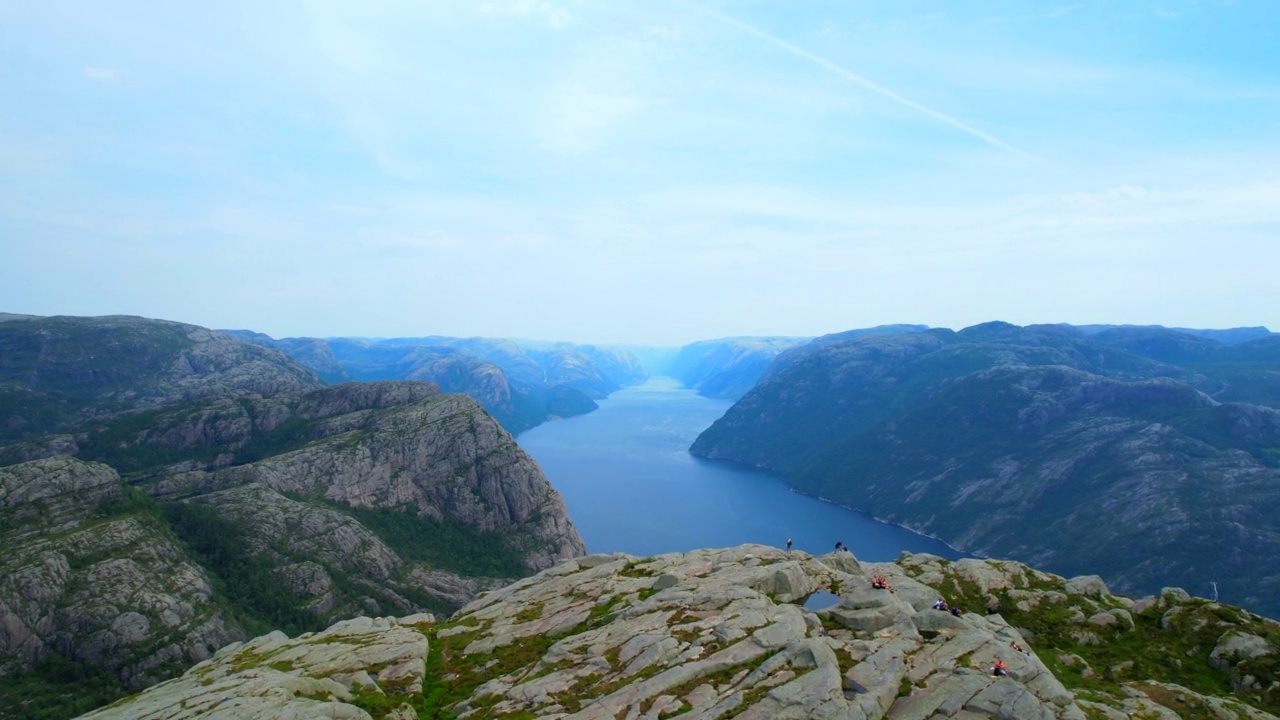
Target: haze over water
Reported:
point(631, 485)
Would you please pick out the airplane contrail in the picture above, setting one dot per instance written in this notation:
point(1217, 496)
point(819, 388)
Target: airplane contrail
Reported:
point(855, 78)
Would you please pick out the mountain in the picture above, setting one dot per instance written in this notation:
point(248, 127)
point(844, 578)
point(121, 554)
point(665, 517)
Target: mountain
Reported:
point(728, 367)
point(1226, 336)
point(1126, 452)
point(168, 489)
point(57, 371)
point(520, 383)
point(790, 356)
point(657, 360)
point(728, 633)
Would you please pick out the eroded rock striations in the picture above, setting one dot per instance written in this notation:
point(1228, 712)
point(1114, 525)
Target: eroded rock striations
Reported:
point(725, 633)
point(85, 576)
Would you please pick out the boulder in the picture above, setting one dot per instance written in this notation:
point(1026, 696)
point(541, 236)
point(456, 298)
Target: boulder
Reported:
point(1087, 585)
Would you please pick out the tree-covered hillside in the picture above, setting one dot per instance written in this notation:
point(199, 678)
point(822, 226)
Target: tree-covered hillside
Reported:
point(1126, 452)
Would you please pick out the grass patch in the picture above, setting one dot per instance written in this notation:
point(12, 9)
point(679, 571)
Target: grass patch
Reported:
point(1177, 654)
point(453, 676)
point(529, 614)
point(635, 570)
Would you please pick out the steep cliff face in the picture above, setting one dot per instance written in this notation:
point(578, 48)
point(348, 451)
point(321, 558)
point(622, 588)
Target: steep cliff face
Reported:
point(728, 633)
point(978, 436)
point(406, 447)
point(91, 576)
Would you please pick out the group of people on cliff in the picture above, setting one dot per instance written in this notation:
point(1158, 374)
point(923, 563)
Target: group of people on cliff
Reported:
point(942, 605)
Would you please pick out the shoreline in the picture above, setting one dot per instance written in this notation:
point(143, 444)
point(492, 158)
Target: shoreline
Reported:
point(882, 521)
point(778, 476)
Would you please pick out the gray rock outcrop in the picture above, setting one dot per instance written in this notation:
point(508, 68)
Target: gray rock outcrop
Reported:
point(110, 589)
point(404, 445)
point(708, 634)
point(343, 672)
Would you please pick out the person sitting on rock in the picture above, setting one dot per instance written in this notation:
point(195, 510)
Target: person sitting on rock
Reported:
point(955, 610)
point(940, 605)
point(879, 583)
point(1000, 669)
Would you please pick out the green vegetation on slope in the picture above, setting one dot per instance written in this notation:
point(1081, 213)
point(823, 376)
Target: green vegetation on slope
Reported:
point(1170, 640)
point(980, 436)
point(445, 544)
point(57, 688)
point(256, 597)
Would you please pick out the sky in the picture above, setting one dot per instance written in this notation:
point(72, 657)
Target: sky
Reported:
point(640, 171)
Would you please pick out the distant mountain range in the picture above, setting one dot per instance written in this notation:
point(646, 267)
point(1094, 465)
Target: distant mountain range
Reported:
point(521, 384)
point(1147, 454)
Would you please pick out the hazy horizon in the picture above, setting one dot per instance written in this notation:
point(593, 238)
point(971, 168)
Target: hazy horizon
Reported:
point(655, 346)
point(648, 173)
point(639, 345)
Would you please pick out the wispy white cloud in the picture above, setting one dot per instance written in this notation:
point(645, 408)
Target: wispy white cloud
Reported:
point(557, 14)
point(864, 82)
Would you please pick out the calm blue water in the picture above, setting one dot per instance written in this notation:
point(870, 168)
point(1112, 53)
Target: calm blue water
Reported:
point(631, 485)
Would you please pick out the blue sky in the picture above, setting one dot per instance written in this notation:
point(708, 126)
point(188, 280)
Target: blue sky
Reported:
point(656, 171)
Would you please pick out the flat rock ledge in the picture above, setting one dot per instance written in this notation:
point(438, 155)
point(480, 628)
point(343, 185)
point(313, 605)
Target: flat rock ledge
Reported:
point(724, 633)
point(338, 673)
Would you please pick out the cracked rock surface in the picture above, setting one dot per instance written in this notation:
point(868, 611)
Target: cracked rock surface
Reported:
point(355, 665)
point(714, 634)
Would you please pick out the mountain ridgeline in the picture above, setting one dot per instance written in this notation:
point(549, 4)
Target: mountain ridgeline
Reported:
point(166, 489)
point(1148, 455)
point(522, 384)
point(729, 367)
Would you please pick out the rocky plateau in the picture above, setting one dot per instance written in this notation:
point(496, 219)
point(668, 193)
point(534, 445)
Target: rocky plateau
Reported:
point(731, 634)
